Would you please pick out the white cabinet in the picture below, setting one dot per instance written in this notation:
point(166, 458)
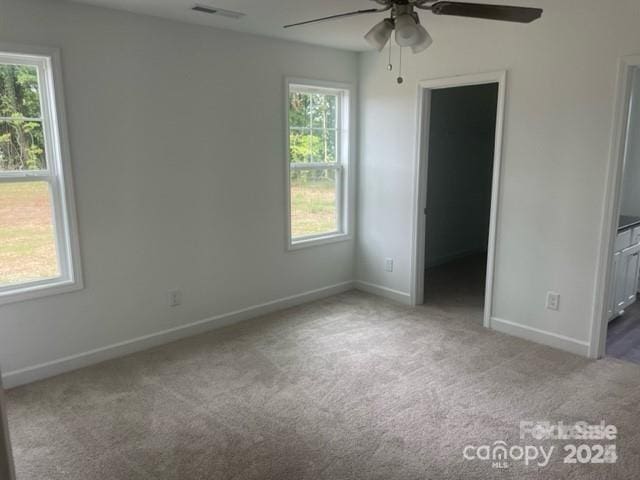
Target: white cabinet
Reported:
point(614, 288)
point(631, 256)
point(626, 268)
point(623, 240)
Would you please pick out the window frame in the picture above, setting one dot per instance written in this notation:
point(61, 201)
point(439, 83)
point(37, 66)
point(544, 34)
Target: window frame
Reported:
point(343, 165)
point(57, 175)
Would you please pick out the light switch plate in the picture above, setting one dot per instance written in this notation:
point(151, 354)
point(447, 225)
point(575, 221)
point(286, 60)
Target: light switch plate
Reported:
point(388, 265)
point(174, 298)
point(553, 301)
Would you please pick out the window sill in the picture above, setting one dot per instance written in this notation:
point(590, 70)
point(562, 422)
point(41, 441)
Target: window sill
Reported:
point(30, 292)
point(317, 241)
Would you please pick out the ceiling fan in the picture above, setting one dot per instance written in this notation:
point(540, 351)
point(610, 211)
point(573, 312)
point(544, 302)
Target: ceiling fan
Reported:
point(406, 22)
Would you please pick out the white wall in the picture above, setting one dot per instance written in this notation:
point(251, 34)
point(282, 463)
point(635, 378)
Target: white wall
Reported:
point(461, 146)
point(631, 181)
point(559, 101)
point(178, 155)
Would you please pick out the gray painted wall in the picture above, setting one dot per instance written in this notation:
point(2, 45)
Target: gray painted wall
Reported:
point(461, 146)
point(631, 182)
point(560, 92)
point(177, 149)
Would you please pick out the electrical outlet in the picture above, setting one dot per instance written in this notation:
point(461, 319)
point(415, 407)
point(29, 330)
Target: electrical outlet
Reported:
point(388, 264)
point(553, 301)
point(174, 298)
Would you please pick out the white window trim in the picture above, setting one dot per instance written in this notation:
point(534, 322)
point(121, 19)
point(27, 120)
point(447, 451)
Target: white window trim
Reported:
point(58, 175)
point(345, 166)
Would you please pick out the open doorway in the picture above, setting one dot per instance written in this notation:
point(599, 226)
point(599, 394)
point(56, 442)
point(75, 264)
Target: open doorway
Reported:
point(616, 313)
point(457, 192)
point(462, 131)
point(622, 302)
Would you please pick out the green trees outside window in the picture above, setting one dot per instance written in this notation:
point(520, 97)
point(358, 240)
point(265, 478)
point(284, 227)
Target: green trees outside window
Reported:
point(21, 132)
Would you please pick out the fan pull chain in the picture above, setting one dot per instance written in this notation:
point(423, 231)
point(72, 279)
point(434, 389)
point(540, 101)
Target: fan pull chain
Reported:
point(389, 65)
point(400, 79)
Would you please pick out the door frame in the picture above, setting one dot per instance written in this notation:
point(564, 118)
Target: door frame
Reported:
point(425, 87)
point(611, 205)
point(7, 469)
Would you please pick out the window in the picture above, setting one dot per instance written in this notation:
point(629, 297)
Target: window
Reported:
point(38, 244)
point(318, 161)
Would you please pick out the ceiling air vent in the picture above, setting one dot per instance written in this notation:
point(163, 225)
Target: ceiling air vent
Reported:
point(217, 11)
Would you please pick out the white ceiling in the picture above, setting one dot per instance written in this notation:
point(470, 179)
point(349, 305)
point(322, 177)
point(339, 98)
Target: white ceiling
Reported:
point(266, 17)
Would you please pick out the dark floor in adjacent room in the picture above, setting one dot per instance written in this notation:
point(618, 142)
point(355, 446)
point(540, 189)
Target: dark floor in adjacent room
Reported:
point(623, 335)
point(457, 283)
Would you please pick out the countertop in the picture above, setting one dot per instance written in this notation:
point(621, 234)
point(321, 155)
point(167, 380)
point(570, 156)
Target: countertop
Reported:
point(627, 221)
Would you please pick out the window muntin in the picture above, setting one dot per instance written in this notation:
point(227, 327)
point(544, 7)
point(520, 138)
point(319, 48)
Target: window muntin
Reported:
point(36, 242)
point(318, 155)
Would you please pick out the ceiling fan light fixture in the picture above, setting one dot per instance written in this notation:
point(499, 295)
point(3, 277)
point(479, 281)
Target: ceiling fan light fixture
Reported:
point(379, 35)
point(424, 40)
point(406, 30)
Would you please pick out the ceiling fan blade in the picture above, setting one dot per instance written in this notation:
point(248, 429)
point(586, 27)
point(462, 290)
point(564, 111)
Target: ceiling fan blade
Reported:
point(491, 12)
point(340, 15)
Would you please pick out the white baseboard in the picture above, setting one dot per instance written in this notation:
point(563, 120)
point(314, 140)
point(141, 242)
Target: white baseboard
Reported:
point(551, 339)
point(74, 362)
point(385, 292)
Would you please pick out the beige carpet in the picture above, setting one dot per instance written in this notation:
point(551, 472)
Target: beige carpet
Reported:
point(352, 387)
